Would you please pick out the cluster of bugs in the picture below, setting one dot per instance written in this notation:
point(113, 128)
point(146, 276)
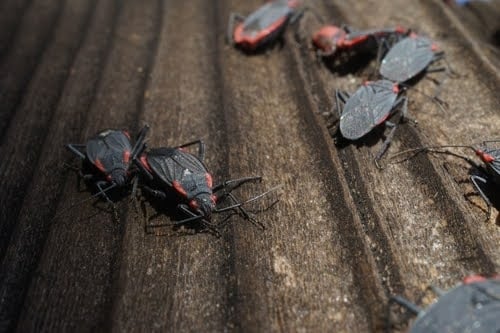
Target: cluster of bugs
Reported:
point(110, 160)
point(402, 57)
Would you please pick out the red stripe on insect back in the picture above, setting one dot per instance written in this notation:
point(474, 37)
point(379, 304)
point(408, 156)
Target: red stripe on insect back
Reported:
point(252, 42)
point(208, 178)
point(99, 165)
point(473, 279)
point(144, 162)
point(178, 187)
point(126, 156)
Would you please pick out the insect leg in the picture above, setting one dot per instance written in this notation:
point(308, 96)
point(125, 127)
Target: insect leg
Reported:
point(139, 144)
point(201, 148)
point(212, 227)
point(99, 185)
point(347, 28)
point(404, 109)
point(235, 183)
point(135, 183)
point(85, 176)
point(155, 193)
point(388, 140)
point(406, 304)
point(386, 143)
point(243, 212)
point(75, 149)
point(340, 96)
point(485, 143)
point(297, 15)
point(474, 179)
point(438, 291)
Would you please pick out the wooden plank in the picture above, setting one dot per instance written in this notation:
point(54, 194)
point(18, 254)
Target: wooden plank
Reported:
point(83, 250)
point(344, 236)
point(39, 206)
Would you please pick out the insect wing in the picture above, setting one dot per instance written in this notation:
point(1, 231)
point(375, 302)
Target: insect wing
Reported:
point(265, 17)
point(369, 106)
point(471, 307)
point(407, 58)
point(109, 150)
point(171, 164)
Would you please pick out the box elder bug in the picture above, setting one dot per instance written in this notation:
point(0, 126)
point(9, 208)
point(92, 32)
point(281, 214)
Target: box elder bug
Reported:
point(174, 169)
point(330, 40)
point(473, 306)
point(107, 158)
point(371, 105)
point(490, 173)
point(409, 57)
point(263, 26)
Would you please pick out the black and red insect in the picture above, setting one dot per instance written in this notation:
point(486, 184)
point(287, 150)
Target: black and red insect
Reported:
point(473, 306)
point(409, 57)
point(175, 170)
point(107, 158)
point(331, 40)
point(262, 27)
point(489, 174)
point(370, 106)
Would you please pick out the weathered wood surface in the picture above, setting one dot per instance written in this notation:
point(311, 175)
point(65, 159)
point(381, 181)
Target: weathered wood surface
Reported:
point(344, 235)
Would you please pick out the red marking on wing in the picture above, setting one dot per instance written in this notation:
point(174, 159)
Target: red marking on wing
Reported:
point(473, 278)
point(127, 134)
point(208, 177)
point(99, 165)
point(178, 187)
point(214, 198)
point(126, 156)
point(434, 47)
point(383, 119)
point(144, 161)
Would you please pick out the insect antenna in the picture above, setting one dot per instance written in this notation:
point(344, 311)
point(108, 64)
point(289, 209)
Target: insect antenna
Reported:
point(435, 99)
point(238, 206)
point(75, 204)
point(434, 149)
point(139, 144)
point(406, 304)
